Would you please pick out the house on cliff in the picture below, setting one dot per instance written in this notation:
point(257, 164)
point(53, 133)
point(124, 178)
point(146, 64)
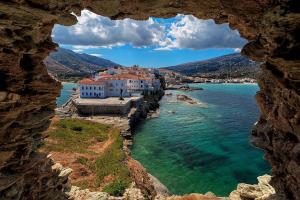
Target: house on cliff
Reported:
point(118, 85)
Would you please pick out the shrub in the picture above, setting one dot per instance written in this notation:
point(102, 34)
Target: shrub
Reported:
point(116, 188)
point(76, 128)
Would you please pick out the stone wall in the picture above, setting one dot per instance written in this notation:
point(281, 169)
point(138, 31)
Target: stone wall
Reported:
point(85, 109)
point(27, 93)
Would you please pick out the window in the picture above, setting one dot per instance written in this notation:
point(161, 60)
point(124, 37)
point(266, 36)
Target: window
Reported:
point(82, 88)
point(82, 94)
point(141, 81)
point(91, 94)
point(90, 88)
point(99, 94)
point(94, 87)
point(141, 86)
point(87, 94)
point(86, 88)
point(95, 94)
point(99, 88)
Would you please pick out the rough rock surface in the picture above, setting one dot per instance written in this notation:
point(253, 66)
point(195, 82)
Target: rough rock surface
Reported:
point(27, 93)
point(262, 191)
point(141, 178)
point(75, 193)
point(185, 98)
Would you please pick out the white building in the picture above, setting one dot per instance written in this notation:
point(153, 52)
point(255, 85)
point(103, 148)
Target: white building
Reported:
point(116, 88)
point(117, 85)
point(90, 88)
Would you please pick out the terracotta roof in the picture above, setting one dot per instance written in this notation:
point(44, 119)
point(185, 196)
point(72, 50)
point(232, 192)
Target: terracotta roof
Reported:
point(122, 77)
point(88, 81)
point(105, 75)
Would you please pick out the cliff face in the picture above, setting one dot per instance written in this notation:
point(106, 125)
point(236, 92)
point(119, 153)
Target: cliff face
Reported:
point(27, 93)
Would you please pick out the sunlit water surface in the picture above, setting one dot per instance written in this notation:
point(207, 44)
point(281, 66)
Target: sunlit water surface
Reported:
point(200, 148)
point(65, 93)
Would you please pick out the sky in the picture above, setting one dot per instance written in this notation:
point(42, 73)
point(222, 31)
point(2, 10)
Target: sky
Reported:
point(154, 42)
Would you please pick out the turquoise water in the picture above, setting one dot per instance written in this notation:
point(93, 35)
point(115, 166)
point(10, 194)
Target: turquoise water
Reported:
point(65, 93)
point(200, 149)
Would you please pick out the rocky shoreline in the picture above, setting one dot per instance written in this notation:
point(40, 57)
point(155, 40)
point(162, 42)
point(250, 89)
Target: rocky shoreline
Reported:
point(146, 186)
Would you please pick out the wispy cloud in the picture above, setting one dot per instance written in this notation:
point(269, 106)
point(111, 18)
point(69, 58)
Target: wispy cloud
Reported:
point(96, 54)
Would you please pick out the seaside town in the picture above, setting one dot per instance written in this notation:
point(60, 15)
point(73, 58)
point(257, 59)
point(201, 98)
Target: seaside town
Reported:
point(177, 79)
point(115, 90)
point(120, 82)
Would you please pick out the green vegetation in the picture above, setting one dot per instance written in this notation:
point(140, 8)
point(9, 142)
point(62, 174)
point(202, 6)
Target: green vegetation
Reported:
point(109, 164)
point(73, 135)
point(116, 188)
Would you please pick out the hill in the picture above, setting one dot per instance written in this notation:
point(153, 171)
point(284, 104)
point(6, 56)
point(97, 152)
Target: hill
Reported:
point(233, 65)
point(65, 62)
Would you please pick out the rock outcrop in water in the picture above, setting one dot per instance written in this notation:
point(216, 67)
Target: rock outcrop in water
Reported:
point(185, 98)
point(28, 94)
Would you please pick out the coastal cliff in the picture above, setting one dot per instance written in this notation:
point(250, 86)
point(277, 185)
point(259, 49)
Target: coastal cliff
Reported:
point(144, 186)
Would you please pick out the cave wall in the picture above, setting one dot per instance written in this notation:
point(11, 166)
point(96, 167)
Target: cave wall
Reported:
point(27, 93)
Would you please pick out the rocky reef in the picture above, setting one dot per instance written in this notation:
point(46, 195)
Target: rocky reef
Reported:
point(185, 98)
point(28, 94)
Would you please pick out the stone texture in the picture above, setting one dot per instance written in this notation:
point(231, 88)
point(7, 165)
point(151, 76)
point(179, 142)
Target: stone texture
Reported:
point(27, 93)
point(76, 193)
point(141, 178)
point(194, 197)
point(131, 193)
point(262, 191)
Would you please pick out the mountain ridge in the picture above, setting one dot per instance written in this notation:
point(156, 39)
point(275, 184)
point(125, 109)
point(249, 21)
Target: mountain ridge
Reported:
point(232, 65)
point(67, 62)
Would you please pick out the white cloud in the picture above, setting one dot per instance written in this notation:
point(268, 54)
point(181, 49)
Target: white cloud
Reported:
point(94, 30)
point(192, 33)
point(96, 54)
point(81, 48)
point(185, 31)
point(238, 50)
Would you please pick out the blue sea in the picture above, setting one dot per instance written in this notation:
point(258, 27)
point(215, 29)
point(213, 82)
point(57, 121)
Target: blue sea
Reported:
point(201, 148)
point(65, 93)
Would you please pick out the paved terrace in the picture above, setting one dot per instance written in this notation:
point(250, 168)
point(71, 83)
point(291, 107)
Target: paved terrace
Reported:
point(110, 101)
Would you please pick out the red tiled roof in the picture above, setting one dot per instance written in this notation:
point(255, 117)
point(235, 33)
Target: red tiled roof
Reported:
point(88, 81)
point(105, 75)
point(122, 77)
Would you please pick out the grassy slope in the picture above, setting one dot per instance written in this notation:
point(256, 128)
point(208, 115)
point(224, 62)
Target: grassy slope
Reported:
point(75, 136)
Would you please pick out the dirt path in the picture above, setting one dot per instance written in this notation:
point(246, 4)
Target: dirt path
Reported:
point(100, 147)
point(81, 172)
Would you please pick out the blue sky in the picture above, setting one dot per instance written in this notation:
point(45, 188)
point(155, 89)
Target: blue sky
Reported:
point(151, 43)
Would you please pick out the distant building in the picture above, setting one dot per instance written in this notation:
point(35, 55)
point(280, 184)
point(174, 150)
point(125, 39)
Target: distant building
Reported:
point(115, 83)
point(90, 88)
